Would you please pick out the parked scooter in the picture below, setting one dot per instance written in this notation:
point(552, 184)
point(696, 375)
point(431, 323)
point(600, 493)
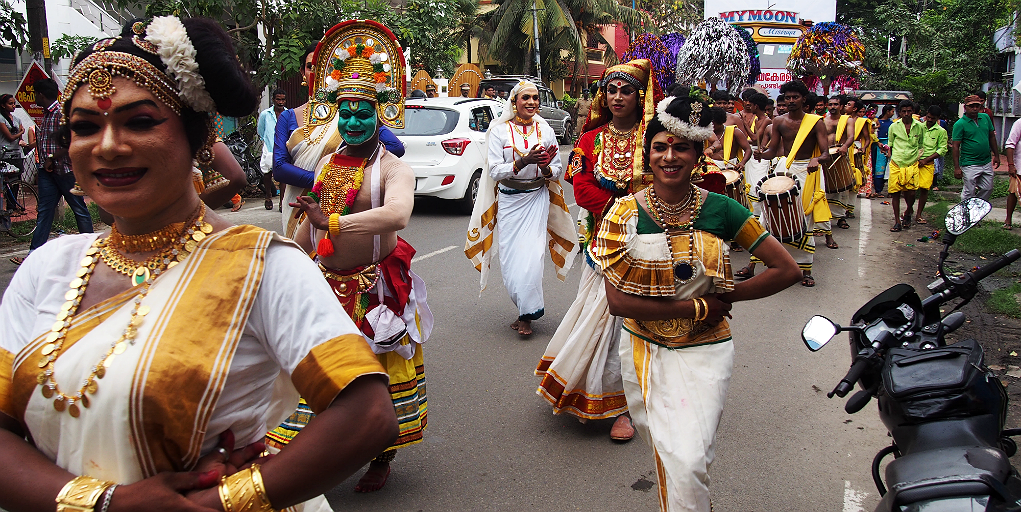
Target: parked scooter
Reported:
point(943, 407)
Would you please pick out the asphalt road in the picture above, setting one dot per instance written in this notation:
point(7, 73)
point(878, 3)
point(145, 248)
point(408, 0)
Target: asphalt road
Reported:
point(493, 444)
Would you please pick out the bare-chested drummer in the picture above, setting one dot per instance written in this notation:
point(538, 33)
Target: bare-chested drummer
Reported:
point(840, 137)
point(803, 140)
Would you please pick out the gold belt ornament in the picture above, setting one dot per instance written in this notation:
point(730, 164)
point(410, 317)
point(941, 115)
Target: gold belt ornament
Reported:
point(365, 280)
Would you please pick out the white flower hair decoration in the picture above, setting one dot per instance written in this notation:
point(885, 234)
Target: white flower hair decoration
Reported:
point(686, 128)
point(177, 53)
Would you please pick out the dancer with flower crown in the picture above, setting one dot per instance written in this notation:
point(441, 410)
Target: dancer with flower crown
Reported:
point(521, 205)
point(362, 197)
point(664, 254)
point(580, 366)
point(139, 368)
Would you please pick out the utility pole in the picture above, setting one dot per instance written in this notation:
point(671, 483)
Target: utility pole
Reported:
point(38, 35)
point(536, 38)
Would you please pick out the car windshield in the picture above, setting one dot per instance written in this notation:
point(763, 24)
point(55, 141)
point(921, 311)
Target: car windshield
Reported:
point(428, 121)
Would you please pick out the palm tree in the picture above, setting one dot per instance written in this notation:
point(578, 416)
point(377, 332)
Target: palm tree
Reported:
point(564, 27)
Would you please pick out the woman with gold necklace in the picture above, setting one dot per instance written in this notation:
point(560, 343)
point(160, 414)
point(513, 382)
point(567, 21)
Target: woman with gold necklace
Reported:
point(522, 191)
point(580, 367)
point(664, 253)
point(139, 368)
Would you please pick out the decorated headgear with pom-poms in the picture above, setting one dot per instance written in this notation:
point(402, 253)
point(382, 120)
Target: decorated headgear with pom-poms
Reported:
point(648, 46)
point(827, 50)
point(360, 60)
point(714, 52)
point(754, 55)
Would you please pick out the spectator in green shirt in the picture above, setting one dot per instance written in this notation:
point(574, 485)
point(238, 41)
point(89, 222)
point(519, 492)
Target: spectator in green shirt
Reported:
point(975, 150)
point(905, 138)
point(933, 145)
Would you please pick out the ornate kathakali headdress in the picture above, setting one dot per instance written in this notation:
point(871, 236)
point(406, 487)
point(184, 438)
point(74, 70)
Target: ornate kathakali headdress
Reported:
point(359, 60)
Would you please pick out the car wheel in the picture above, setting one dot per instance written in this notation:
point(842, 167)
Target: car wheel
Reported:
point(567, 130)
point(472, 189)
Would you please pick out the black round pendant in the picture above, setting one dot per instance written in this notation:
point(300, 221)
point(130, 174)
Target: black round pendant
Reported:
point(684, 271)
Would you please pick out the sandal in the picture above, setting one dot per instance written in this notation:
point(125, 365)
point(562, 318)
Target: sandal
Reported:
point(896, 227)
point(921, 221)
point(807, 281)
point(268, 204)
point(17, 260)
point(849, 215)
point(906, 221)
point(1007, 226)
point(842, 224)
point(744, 273)
point(735, 247)
point(832, 245)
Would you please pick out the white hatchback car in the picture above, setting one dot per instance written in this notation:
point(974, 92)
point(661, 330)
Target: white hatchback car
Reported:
point(446, 145)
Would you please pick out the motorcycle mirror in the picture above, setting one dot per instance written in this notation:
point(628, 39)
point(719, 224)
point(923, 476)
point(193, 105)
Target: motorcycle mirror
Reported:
point(966, 214)
point(818, 331)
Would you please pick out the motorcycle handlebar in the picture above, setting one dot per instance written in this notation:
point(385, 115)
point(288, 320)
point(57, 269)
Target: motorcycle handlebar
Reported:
point(845, 385)
point(999, 263)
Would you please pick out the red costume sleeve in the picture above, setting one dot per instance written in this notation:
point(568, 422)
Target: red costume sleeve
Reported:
point(589, 194)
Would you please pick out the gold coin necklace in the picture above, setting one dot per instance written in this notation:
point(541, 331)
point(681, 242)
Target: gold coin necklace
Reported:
point(54, 341)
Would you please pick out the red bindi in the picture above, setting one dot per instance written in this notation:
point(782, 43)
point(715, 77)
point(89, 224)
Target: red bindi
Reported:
point(103, 103)
point(671, 140)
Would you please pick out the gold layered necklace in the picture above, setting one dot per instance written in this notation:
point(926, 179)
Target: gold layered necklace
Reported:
point(104, 249)
point(174, 242)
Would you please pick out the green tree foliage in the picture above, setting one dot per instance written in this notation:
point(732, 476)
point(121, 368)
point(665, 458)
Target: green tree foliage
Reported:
point(668, 16)
point(67, 46)
point(271, 35)
point(564, 27)
point(13, 26)
point(435, 31)
point(939, 50)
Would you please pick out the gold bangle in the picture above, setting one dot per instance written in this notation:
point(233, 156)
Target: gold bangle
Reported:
point(706, 308)
point(81, 494)
point(244, 491)
point(333, 225)
point(696, 309)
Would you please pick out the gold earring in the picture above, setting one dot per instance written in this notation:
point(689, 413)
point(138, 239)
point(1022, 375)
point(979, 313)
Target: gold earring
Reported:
point(205, 154)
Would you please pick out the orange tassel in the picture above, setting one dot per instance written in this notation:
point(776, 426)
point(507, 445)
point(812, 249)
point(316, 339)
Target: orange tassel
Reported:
point(325, 247)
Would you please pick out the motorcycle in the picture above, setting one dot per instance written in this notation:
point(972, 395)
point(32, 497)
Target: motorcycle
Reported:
point(944, 409)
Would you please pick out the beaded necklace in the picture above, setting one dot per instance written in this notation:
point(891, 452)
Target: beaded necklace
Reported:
point(526, 131)
point(103, 249)
point(684, 271)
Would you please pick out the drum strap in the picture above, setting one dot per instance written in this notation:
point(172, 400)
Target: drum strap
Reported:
point(806, 126)
point(841, 128)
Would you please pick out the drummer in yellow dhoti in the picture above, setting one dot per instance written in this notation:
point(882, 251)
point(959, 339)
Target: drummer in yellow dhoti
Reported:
point(520, 209)
point(863, 138)
point(756, 169)
point(802, 138)
point(729, 150)
point(839, 179)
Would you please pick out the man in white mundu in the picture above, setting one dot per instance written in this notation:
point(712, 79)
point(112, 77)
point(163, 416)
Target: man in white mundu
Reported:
point(521, 193)
point(803, 139)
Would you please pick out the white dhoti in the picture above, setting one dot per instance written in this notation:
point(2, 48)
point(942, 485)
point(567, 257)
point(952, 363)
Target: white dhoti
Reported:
point(753, 172)
point(581, 372)
point(683, 411)
point(802, 250)
point(522, 244)
point(840, 203)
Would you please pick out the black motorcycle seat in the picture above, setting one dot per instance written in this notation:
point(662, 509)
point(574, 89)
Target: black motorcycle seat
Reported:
point(956, 471)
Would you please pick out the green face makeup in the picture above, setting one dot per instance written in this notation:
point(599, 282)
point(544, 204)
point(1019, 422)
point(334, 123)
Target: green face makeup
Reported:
point(357, 121)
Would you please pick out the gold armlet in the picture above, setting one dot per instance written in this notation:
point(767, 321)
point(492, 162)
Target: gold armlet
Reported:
point(333, 226)
point(81, 494)
point(244, 491)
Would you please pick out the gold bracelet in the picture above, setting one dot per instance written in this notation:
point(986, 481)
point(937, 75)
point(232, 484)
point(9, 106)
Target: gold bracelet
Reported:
point(81, 494)
point(244, 491)
point(696, 310)
point(333, 225)
point(706, 309)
